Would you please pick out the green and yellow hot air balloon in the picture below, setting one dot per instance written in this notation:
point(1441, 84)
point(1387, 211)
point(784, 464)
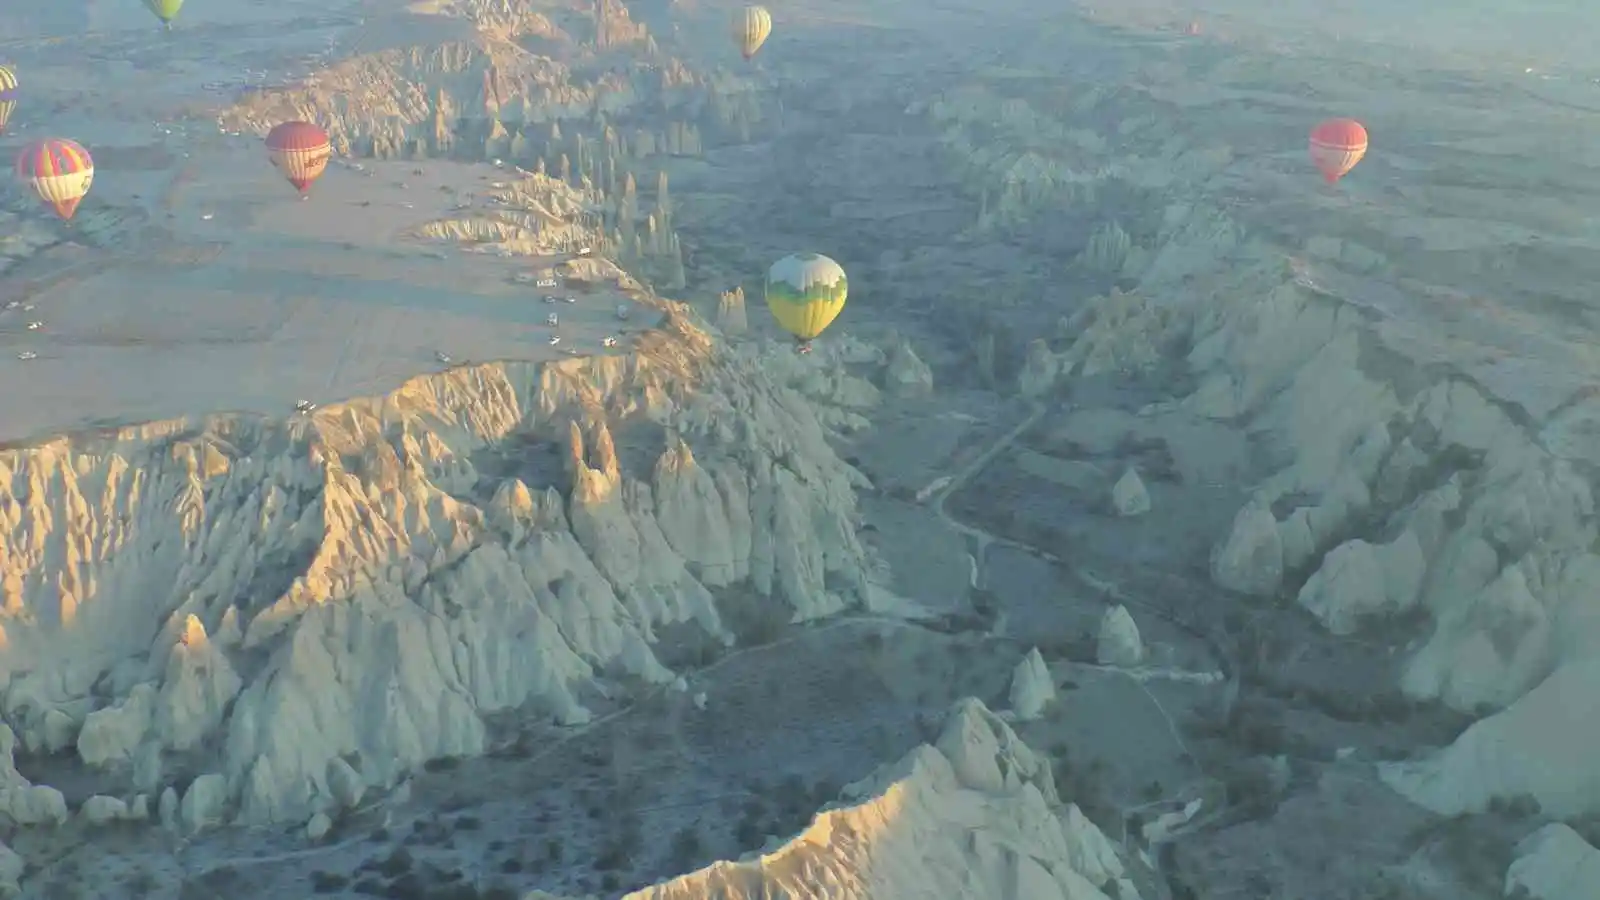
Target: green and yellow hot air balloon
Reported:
point(165, 10)
point(806, 292)
point(8, 96)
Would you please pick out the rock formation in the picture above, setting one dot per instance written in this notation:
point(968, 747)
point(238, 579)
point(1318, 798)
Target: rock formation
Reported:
point(1032, 688)
point(731, 316)
point(1040, 370)
point(1129, 497)
point(907, 375)
point(1429, 444)
point(395, 567)
point(1118, 643)
point(1554, 863)
point(974, 815)
point(11, 869)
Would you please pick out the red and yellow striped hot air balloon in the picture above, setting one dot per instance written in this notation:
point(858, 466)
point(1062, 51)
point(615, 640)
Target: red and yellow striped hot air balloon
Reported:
point(59, 171)
point(1336, 146)
point(300, 150)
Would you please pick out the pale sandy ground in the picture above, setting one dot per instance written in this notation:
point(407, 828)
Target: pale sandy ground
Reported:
point(207, 285)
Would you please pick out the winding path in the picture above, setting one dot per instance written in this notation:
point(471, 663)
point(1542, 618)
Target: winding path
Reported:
point(981, 538)
point(1112, 592)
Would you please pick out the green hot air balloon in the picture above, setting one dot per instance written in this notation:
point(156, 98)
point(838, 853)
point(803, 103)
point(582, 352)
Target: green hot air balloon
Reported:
point(806, 292)
point(165, 10)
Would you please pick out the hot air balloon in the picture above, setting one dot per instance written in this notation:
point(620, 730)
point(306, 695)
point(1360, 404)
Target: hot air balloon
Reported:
point(59, 171)
point(165, 10)
point(751, 26)
point(8, 95)
point(1336, 146)
point(299, 150)
point(806, 292)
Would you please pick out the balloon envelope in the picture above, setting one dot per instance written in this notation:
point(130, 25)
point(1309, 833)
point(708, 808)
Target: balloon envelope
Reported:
point(806, 292)
point(8, 95)
point(165, 10)
point(1336, 146)
point(300, 150)
point(59, 171)
point(751, 27)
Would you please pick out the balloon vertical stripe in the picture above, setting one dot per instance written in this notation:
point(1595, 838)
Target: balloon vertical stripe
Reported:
point(59, 171)
point(1336, 146)
point(300, 150)
point(751, 27)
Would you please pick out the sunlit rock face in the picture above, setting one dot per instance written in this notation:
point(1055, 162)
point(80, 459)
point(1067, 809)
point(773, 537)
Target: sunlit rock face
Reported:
point(325, 603)
point(973, 815)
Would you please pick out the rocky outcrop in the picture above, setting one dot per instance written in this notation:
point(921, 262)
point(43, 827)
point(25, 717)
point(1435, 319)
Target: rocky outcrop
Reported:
point(907, 375)
point(731, 317)
point(1119, 643)
point(1129, 496)
point(1427, 448)
point(974, 815)
point(1554, 863)
point(1032, 688)
point(284, 614)
point(11, 869)
point(1250, 561)
point(1040, 370)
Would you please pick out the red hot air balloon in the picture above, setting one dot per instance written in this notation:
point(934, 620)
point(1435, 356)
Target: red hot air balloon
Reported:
point(1336, 146)
point(59, 171)
point(300, 150)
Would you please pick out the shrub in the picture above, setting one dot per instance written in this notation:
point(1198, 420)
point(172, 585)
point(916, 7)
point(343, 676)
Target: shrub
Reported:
point(328, 882)
point(396, 864)
point(686, 847)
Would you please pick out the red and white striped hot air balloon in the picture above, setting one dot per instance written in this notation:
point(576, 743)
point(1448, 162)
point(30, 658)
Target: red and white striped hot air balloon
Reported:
point(300, 150)
point(59, 171)
point(1336, 146)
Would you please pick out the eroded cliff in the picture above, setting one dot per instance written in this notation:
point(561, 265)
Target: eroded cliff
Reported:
point(308, 608)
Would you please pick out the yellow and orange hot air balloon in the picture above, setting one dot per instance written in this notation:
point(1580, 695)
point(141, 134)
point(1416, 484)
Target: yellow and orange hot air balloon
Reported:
point(751, 27)
point(300, 150)
point(8, 95)
point(59, 171)
point(1336, 146)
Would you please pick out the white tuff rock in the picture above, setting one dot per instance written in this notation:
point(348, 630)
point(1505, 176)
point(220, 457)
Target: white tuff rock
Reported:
point(1542, 747)
point(1555, 863)
point(1251, 561)
point(1032, 688)
point(11, 869)
point(1358, 580)
point(103, 810)
point(1129, 497)
point(1119, 643)
point(970, 818)
point(318, 827)
point(907, 375)
point(1040, 370)
point(203, 803)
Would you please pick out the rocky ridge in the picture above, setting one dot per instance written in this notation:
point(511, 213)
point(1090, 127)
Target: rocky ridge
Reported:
point(1423, 444)
point(285, 615)
point(972, 815)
